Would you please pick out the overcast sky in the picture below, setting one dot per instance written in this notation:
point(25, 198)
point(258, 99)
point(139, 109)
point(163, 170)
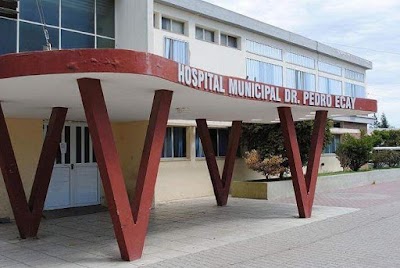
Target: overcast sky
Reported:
point(366, 28)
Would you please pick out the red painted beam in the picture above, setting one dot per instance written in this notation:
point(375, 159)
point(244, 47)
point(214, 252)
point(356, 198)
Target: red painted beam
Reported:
point(12, 180)
point(130, 224)
point(317, 146)
point(28, 216)
point(221, 186)
point(109, 165)
point(304, 187)
point(45, 167)
point(150, 161)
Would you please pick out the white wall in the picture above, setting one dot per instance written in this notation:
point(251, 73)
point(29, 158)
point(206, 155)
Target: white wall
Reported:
point(232, 62)
point(134, 25)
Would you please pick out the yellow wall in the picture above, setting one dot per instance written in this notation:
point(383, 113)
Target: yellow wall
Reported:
point(27, 139)
point(177, 179)
point(129, 139)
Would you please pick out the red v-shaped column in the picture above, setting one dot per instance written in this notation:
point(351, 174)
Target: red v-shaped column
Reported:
point(304, 186)
point(28, 215)
point(222, 185)
point(130, 223)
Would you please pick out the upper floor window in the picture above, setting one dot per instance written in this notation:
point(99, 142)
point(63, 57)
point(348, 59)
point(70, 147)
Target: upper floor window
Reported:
point(330, 86)
point(174, 143)
point(353, 90)
point(219, 139)
point(176, 50)
point(8, 29)
point(173, 25)
point(70, 24)
point(263, 50)
point(300, 60)
point(264, 72)
point(300, 80)
point(229, 41)
point(353, 75)
point(329, 68)
point(205, 35)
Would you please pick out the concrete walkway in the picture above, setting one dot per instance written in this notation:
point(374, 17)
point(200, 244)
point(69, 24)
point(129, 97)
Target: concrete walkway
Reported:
point(354, 228)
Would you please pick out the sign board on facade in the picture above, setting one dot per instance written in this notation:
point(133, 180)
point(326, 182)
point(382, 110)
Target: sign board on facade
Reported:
point(246, 89)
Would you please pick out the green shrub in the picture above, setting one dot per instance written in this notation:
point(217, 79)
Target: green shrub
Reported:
point(385, 158)
point(354, 152)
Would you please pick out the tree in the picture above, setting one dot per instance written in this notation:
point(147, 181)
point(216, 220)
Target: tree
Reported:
point(384, 122)
point(355, 152)
point(267, 140)
point(376, 121)
point(386, 138)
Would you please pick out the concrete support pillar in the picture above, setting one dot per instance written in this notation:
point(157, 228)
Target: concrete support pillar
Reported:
point(222, 185)
point(28, 215)
point(304, 186)
point(130, 223)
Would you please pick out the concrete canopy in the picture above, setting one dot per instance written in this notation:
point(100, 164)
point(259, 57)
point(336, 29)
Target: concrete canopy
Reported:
point(32, 83)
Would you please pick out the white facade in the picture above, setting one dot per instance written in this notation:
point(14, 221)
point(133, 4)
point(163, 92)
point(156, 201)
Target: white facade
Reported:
point(142, 30)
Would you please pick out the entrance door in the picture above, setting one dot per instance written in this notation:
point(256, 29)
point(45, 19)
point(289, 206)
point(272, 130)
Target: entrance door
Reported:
point(75, 179)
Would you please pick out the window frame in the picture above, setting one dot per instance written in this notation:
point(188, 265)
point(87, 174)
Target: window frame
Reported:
point(60, 29)
point(171, 21)
point(173, 157)
point(289, 60)
point(250, 61)
point(217, 153)
point(178, 40)
point(303, 80)
point(329, 89)
point(249, 43)
point(204, 30)
point(227, 40)
point(335, 143)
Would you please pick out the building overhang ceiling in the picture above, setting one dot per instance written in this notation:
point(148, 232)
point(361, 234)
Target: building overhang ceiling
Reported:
point(32, 83)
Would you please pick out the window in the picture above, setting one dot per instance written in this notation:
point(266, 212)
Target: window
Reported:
point(229, 41)
point(173, 25)
point(219, 139)
point(174, 143)
point(353, 75)
point(8, 29)
point(353, 90)
point(78, 15)
point(300, 60)
point(329, 68)
point(332, 147)
point(105, 43)
point(205, 35)
point(70, 23)
point(176, 50)
point(105, 18)
point(72, 40)
point(330, 86)
point(337, 124)
point(28, 37)
point(263, 50)
point(29, 11)
point(300, 80)
point(264, 72)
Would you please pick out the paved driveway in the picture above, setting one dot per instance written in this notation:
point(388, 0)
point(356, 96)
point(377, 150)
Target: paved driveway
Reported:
point(354, 228)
